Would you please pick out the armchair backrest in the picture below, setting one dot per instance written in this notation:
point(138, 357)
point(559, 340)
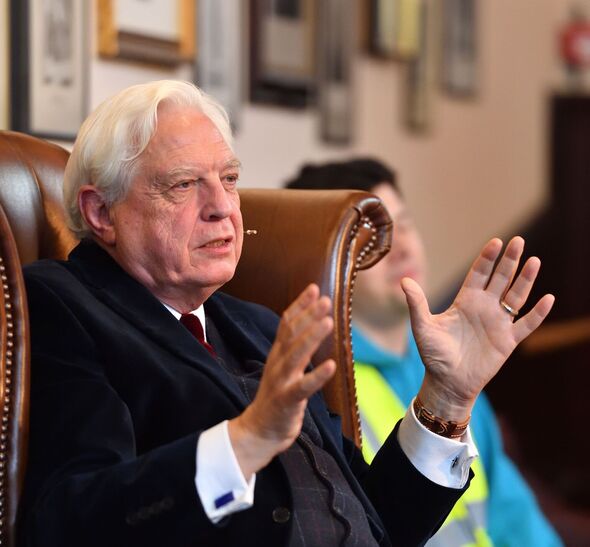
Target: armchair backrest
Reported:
point(324, 237)
point(14, 382)
point(31, 176)
point(320, 236)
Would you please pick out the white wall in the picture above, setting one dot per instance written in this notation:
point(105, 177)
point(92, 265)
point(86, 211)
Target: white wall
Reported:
point(480, 172)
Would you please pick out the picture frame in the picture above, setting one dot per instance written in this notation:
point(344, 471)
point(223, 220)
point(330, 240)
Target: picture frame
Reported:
point(409, 28)
point(459, 66)
point(395, 29)
point(48, 70)
point(219, 64)
point(158, 32)
point(335, 49)
point(283, 59)
point(420, 75)
point(382, 22)
point(4, 64)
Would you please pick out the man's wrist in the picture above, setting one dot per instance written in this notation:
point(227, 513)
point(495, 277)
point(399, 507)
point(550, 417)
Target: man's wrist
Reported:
point(442, 403)
point(442, 460)
point(252, 453)
point(445, 428)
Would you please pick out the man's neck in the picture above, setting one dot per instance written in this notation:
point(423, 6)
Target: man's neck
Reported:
point(392, 338)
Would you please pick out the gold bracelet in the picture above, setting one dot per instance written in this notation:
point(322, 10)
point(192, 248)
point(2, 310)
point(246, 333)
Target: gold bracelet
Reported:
point(444, 428)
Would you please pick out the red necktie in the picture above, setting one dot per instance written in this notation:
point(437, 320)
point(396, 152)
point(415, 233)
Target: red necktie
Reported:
point(192, 323)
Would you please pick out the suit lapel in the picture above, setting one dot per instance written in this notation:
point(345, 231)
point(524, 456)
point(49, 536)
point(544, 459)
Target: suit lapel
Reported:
point(134, 302)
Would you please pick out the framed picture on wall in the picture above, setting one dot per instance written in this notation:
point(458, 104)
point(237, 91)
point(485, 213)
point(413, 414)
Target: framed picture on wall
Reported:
point(150, 31)
point(48, 69)
point(282, 51)
point(408, 30)
point(421, 72)
point(395, 28)
point(459, 47)
point(218, 69)
point(335, 59)
point(382, 27)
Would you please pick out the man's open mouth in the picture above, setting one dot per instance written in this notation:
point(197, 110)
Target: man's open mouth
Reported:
point(217, 243)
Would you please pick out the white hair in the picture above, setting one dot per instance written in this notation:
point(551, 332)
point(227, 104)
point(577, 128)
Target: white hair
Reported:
point(111, 140)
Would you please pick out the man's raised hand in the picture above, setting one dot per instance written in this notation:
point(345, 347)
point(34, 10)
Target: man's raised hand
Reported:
point(274, 419)
point(464, 347)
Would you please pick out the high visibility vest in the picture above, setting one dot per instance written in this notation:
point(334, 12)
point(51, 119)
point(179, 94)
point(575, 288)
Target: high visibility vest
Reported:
point(380, 409)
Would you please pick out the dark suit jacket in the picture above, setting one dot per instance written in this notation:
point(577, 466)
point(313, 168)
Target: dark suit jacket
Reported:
point(120, 394)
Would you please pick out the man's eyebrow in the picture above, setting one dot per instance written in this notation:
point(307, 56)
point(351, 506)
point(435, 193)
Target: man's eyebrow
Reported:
point(181, 171)
point(235, 163)
point(193, 171)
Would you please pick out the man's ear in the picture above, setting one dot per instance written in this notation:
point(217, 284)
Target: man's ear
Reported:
point(96, 213)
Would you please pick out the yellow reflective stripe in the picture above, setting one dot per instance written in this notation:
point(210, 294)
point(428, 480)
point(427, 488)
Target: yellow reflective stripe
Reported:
point(482, 539)
point(380, 408)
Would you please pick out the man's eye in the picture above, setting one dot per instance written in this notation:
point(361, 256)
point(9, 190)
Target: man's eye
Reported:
point(185, 185)
point(232, 179)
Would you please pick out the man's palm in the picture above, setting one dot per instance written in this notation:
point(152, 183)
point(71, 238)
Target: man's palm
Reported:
point(464, 347)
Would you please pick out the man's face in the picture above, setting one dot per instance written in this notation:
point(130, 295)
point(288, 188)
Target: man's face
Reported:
point(378, 296)
point(179, 229)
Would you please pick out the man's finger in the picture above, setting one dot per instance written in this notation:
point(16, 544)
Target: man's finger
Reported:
point(314, 380)
point(518, 294)
point(483, 266)
point(298, 353)
point(291, 327)
point(417, 303)
point(506, 268)
point(305, 298)
point(528, 323)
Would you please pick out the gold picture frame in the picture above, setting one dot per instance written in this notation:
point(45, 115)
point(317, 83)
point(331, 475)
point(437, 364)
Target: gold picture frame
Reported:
point(140, 42)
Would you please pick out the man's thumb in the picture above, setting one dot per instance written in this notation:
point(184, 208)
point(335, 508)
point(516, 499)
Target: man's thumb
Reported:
point(416, 300)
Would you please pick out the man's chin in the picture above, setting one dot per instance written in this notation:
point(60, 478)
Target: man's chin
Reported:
point(223, 276)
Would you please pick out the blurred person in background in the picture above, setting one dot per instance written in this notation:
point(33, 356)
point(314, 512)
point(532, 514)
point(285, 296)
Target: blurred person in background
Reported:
point(499, 508)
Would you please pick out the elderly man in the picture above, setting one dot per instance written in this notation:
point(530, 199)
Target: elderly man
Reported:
point(166, 413)
point(498, 508)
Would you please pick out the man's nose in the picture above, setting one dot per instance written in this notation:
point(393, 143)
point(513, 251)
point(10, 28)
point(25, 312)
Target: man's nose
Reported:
point(216, 201)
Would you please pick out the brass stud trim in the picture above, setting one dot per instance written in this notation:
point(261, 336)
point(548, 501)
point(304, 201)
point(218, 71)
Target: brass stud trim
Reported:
point(6, 389)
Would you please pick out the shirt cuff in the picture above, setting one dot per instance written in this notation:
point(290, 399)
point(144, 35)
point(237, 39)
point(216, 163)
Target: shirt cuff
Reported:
point(220, 483)
point(444, 461)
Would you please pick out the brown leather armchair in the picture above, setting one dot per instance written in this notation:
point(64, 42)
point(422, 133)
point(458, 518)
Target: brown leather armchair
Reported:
point(324, 237)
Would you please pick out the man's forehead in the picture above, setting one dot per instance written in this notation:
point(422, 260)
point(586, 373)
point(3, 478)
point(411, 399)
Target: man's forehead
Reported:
point(187, 142)
point(178, 125)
